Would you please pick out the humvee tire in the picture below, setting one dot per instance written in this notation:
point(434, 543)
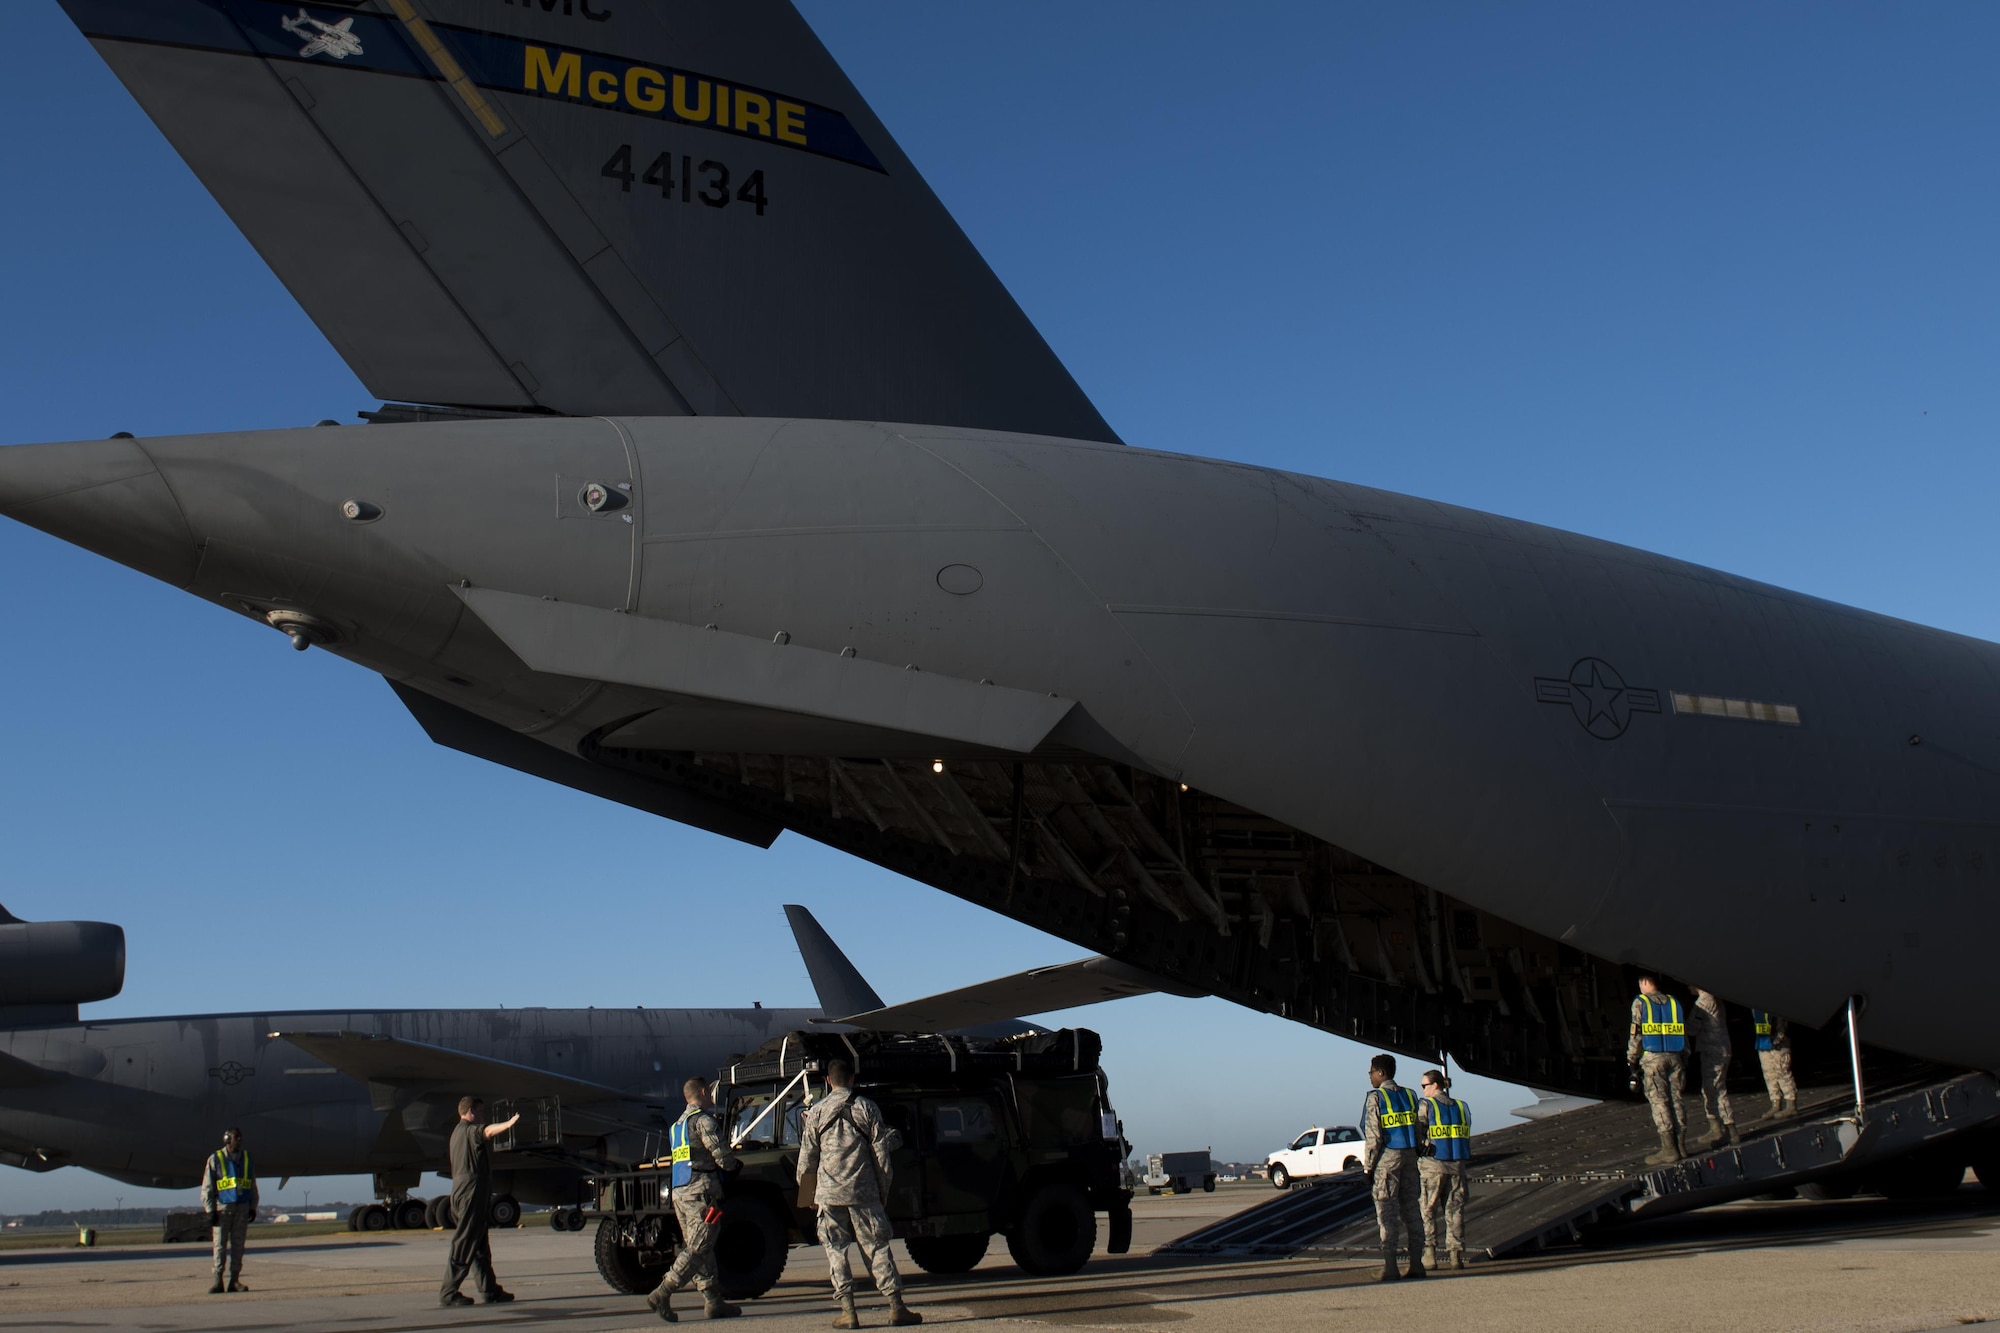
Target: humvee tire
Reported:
point(750, 1252)
point(1056, 1231)
point(948, 1254)
point(621, 1268)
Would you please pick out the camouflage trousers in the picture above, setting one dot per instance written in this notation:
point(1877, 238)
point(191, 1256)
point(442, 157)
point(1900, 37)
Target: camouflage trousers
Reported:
point(1398, 1198)
point(1778, 1079)
point(694, 1262)
point(866, 1225)
point(1715, 1087)
point(1444, 1204)
point(233, 1226)
point(1665, 1075)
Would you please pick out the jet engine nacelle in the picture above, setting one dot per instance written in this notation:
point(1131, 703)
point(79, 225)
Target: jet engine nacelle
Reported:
point(59, 962)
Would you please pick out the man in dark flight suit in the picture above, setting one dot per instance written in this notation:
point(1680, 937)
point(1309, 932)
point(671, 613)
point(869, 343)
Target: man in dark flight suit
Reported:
point(472, 1204)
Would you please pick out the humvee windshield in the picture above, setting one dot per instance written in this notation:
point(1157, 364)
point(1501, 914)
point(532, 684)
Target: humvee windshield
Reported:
point(752, 1122)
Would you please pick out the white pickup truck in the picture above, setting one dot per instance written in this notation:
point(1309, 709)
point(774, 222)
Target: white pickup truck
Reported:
point(1317, 1152)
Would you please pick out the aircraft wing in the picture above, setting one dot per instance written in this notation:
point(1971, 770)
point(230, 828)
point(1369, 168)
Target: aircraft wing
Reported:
point(416, 1066)
point(1040, 990)
point(645, 207)
point(18, 1073)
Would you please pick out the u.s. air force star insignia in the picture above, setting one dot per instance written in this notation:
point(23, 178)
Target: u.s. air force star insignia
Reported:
point(323, 39)
point(232, 1073)
point(1599, 697)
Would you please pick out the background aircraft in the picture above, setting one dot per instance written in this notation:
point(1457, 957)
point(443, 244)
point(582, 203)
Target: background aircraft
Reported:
point(144, 1100)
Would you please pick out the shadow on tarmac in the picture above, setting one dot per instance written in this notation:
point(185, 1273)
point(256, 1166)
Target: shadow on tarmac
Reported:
point(1122, 1290)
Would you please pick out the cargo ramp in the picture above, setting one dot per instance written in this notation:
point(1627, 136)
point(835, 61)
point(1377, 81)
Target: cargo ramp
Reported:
point(1548, 1181)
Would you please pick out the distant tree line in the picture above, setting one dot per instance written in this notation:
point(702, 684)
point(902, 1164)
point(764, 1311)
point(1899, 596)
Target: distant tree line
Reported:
point(90, 1217)
point(138, 1217)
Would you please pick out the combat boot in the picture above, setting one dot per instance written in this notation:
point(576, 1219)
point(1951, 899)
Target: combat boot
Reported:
point(1668, 1151)
point(714, 1307)
point(901, 1314)
point(1390, 1273)
point(1712, 1137)
point(1416, 1265)
point(1729, 1134)
point(215, 1287)
point(1458, 1258)
point(1430, 1259)
point(847, 1318)
point(660, 1301)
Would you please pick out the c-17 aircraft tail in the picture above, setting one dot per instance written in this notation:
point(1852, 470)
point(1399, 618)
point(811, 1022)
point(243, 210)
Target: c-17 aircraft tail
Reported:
point(588, 207)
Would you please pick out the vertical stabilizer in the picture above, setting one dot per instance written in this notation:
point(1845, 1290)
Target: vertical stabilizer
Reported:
point(841, 988)
point(591, 207)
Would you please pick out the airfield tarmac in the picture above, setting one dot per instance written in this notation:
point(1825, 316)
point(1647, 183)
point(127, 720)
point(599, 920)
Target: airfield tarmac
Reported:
point(1865, 1264)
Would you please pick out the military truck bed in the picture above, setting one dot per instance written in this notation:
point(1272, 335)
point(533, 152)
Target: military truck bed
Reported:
point(1544, 1182)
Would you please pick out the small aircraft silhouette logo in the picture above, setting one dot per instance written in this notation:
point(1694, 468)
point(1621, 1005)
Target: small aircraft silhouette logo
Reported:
point(324, 39)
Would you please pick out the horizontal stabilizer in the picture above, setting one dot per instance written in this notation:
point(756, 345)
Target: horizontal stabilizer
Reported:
point(417, 1067)
point(633, 207)
point(565, 639)
point(838, 983)
point(1039, 991)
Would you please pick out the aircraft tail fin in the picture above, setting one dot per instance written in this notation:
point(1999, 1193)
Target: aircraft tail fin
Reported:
point(588, 207)
point(839, 984)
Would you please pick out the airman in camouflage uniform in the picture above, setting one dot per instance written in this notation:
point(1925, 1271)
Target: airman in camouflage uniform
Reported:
point(709, 1158)
point(1389, 1153)
point(845, 1140)
point(1709, 1026)
point(1774, 1053)
point(1446, 1123)
point(1660, 1060)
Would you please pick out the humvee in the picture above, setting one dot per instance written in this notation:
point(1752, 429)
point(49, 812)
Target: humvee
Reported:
point(1013, 1137)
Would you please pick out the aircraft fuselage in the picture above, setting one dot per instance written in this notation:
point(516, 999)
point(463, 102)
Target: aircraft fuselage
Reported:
point(1351, 756)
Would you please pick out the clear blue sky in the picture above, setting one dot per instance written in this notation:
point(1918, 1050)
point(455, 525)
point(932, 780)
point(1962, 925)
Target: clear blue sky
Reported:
point(1716, 281)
